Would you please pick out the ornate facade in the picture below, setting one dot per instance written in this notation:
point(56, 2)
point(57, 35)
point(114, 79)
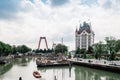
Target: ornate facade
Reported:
point(84, 36)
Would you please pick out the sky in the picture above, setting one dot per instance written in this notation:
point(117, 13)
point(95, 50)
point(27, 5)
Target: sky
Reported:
point(25, 21)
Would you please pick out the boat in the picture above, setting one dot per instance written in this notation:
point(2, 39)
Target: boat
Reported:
point(40, 62)
point(3, 62)
point(36, 74)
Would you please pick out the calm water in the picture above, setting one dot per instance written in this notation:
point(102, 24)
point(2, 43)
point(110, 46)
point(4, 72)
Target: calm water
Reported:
point(24, 68)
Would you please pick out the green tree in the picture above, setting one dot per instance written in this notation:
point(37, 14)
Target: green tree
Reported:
point(82, 51)
point(77, 51)
point(49, 50)
point(112, 55)
point(1, 48)
point(98, 49)
point(110, 43)
point(14, 50)
point(84, 55)
point(90, 50)
point(60, 48)
point(7, 49)
point(44, 51)
point(22, 49)
point(96, 55)
point(37, 50)
point(117, 46)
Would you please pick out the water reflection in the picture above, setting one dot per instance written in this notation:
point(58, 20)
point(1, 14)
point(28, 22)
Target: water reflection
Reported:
point(5, 68)
point(24, 67)
point(22, 61)
point(83, 73)
point(60, 73)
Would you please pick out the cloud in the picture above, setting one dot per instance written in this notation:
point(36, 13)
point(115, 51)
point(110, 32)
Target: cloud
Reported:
point(112, 5)
point(107, 4)
point(55, 20)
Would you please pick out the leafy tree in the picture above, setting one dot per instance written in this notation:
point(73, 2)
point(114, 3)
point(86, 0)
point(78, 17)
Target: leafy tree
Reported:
point(96, 55)
point(1, 48)
point(77, 51)
point(7, 49)
point(49, 51)
point(117, 46)
point(90, 50)
point(14, 50)
point(98, 49)
point(60, 48)
point(82, 51)
point(37, 51)
point(22, 49)
point(110, 43)
point(112, 55)
point(41, 51)
point(84, 55)
point(44, 51)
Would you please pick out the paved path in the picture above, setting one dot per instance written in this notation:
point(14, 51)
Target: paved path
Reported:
point(94, 61)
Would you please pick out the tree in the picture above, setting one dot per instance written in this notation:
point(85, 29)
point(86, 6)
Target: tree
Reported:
point(22, 49)
point(1, 48)
point(98, 49)
point(14, 50)
point(60, 48)
point(82, 51)
point(90, 50)
point(112, 55)
point(117, 46)
point(49, 50)
point(110, 43)
point(77, 51)
point(44, 51)
point(37, 50)
point(96, 55)
point(5, 49)
point(84, 55)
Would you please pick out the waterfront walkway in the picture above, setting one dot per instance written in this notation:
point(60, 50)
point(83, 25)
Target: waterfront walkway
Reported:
point(113, 66)
point(94, 61)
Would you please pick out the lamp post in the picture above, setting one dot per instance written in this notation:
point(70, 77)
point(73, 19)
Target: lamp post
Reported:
point(62, 47)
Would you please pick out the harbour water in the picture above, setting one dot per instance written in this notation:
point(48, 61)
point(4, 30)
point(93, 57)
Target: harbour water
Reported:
point(24, 67)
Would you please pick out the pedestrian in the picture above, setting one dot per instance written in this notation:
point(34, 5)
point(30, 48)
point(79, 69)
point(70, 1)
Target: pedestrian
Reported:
point(20, 78)
point(55, 78)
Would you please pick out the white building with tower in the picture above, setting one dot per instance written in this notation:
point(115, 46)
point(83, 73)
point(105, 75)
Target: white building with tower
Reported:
point(84, 36)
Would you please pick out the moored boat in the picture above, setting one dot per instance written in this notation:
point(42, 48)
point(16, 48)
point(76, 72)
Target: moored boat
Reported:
point(36, 74)
point(3, 61)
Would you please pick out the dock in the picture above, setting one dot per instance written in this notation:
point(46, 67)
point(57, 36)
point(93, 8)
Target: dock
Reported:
point(112, 66)
point(97, 64)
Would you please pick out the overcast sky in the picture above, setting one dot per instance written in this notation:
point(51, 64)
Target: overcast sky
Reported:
point(24, 21)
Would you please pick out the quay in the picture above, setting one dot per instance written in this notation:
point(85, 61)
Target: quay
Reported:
point(112, 66)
